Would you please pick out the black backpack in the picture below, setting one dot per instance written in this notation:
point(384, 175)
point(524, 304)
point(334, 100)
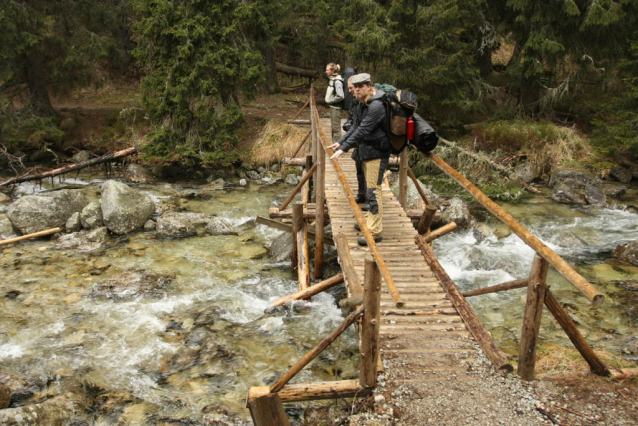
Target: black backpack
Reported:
point(400, 104)
point(425, 137)
point(332, 83)
point(347, 96)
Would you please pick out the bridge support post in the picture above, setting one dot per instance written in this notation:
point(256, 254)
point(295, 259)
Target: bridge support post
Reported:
point(300, 246)
point(320, 196)
point(370, 324)
point(268, 410)
point(536, 290)
point(403, 179)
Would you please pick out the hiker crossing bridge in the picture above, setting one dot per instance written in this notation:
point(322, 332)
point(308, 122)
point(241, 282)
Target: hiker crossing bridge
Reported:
point(412, 320)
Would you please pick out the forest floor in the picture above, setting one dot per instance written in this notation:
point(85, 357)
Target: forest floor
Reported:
point(565, 398)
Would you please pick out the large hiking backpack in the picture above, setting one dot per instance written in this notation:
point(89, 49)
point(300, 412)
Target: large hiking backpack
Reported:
point(425, 137)
point(400, 104)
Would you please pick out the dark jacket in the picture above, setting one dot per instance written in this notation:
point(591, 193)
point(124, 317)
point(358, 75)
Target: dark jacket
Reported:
point(369, 133)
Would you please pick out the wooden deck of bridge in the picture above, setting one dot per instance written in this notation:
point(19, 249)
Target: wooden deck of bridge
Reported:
point(425, 339)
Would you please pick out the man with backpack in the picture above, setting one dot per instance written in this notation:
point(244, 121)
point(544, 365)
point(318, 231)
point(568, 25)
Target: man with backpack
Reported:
point(353, 114)
point(369, 134)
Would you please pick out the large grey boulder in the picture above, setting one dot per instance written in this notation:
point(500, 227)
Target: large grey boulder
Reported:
point(457, 212)
point(34, 213)
point(184, 224)
point(576, 187)
point(621, 174)
point(137, 174)
point(124, 209)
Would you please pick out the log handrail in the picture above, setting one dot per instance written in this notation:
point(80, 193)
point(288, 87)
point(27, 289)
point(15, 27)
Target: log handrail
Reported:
point(543, 250)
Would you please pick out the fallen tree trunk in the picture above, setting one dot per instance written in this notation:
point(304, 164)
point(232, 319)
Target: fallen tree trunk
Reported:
point(301, 72)
point(71, 167)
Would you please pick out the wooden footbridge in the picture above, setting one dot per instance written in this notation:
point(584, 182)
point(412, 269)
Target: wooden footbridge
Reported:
point(412, 320)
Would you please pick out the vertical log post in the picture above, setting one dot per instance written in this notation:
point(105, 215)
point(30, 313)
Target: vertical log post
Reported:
point(403, 179)
point(297, 220)
point(306, 192)
point(532, 318)
point(426, 219)
point(301, 238)
point(268, 410)
point(567, 324)
point(320, 196)
point(370, 324)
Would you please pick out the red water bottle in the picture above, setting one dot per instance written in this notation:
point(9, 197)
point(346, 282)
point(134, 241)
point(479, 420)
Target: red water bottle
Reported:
point(409, 131)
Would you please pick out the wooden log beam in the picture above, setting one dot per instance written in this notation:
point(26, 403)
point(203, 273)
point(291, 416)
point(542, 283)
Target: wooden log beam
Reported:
point(295, 161)
point(31, 236)
point(478, 330)
point(301, 145)
point(288, 228)
point(71, 167)
point(417, 184)
point(301, 240)
point(313, 391)
point(267, 410)
point(536, 289)
point(300, 122)
point(577, 339)
point(276, 387)
point(297, 188)
point(306, 190)
point(303, 107)
point(403, 178)
point(426, 219)
point(353, 285)
point(372, 245)
point(310, 291)
point(309, 212)
point(320, 199)
point(509, 285)
point(418, 213)
point(439, 232)
point(548, 254)
point(370, 325)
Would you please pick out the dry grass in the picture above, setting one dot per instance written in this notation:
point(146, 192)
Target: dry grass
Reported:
point(503, 54)
point(553, 358)
point(276, 141)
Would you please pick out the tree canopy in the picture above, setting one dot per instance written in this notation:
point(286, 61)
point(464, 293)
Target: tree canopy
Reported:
point(200, 58)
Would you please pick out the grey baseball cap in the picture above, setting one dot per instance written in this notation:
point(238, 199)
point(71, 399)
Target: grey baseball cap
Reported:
point(360, 78)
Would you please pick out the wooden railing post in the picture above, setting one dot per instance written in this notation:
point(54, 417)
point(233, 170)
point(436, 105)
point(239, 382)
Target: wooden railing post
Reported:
point(267, 410)
point(306, 192)
point(320, 196)
point(426, 219)
point(300, 243)
point(567, 324)
point(403, 179)
point(536, 290)
point(370, 324)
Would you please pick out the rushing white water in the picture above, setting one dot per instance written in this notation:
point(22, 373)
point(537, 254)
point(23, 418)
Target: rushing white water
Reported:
point(190, 352)
point(585, 238)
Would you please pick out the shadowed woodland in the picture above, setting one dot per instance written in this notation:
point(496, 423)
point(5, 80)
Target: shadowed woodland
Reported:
point(195, 63)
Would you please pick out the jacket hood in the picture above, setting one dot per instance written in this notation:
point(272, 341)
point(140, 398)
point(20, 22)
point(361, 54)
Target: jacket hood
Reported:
point(378, 95)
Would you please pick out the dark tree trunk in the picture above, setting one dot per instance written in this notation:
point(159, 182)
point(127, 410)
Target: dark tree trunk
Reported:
point(484, 61)
point(272, 83)
point(36, 81)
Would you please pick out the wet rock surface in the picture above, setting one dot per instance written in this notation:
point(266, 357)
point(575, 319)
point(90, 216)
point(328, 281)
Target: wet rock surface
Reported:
point(131, 284)
point(34, 213)
point(124, 209)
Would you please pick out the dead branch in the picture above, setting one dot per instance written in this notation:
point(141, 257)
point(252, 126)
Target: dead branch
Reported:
point(66, 169)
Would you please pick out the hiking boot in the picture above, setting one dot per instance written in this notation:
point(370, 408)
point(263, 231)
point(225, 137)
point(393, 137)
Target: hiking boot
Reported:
point(362, 241)
point(360, 199)
point(357, 227)
point(365, 207)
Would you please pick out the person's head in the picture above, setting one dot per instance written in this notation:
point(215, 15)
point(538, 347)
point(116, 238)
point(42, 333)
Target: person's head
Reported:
point(363, 88)
point(332, 69)
point(350, 85)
